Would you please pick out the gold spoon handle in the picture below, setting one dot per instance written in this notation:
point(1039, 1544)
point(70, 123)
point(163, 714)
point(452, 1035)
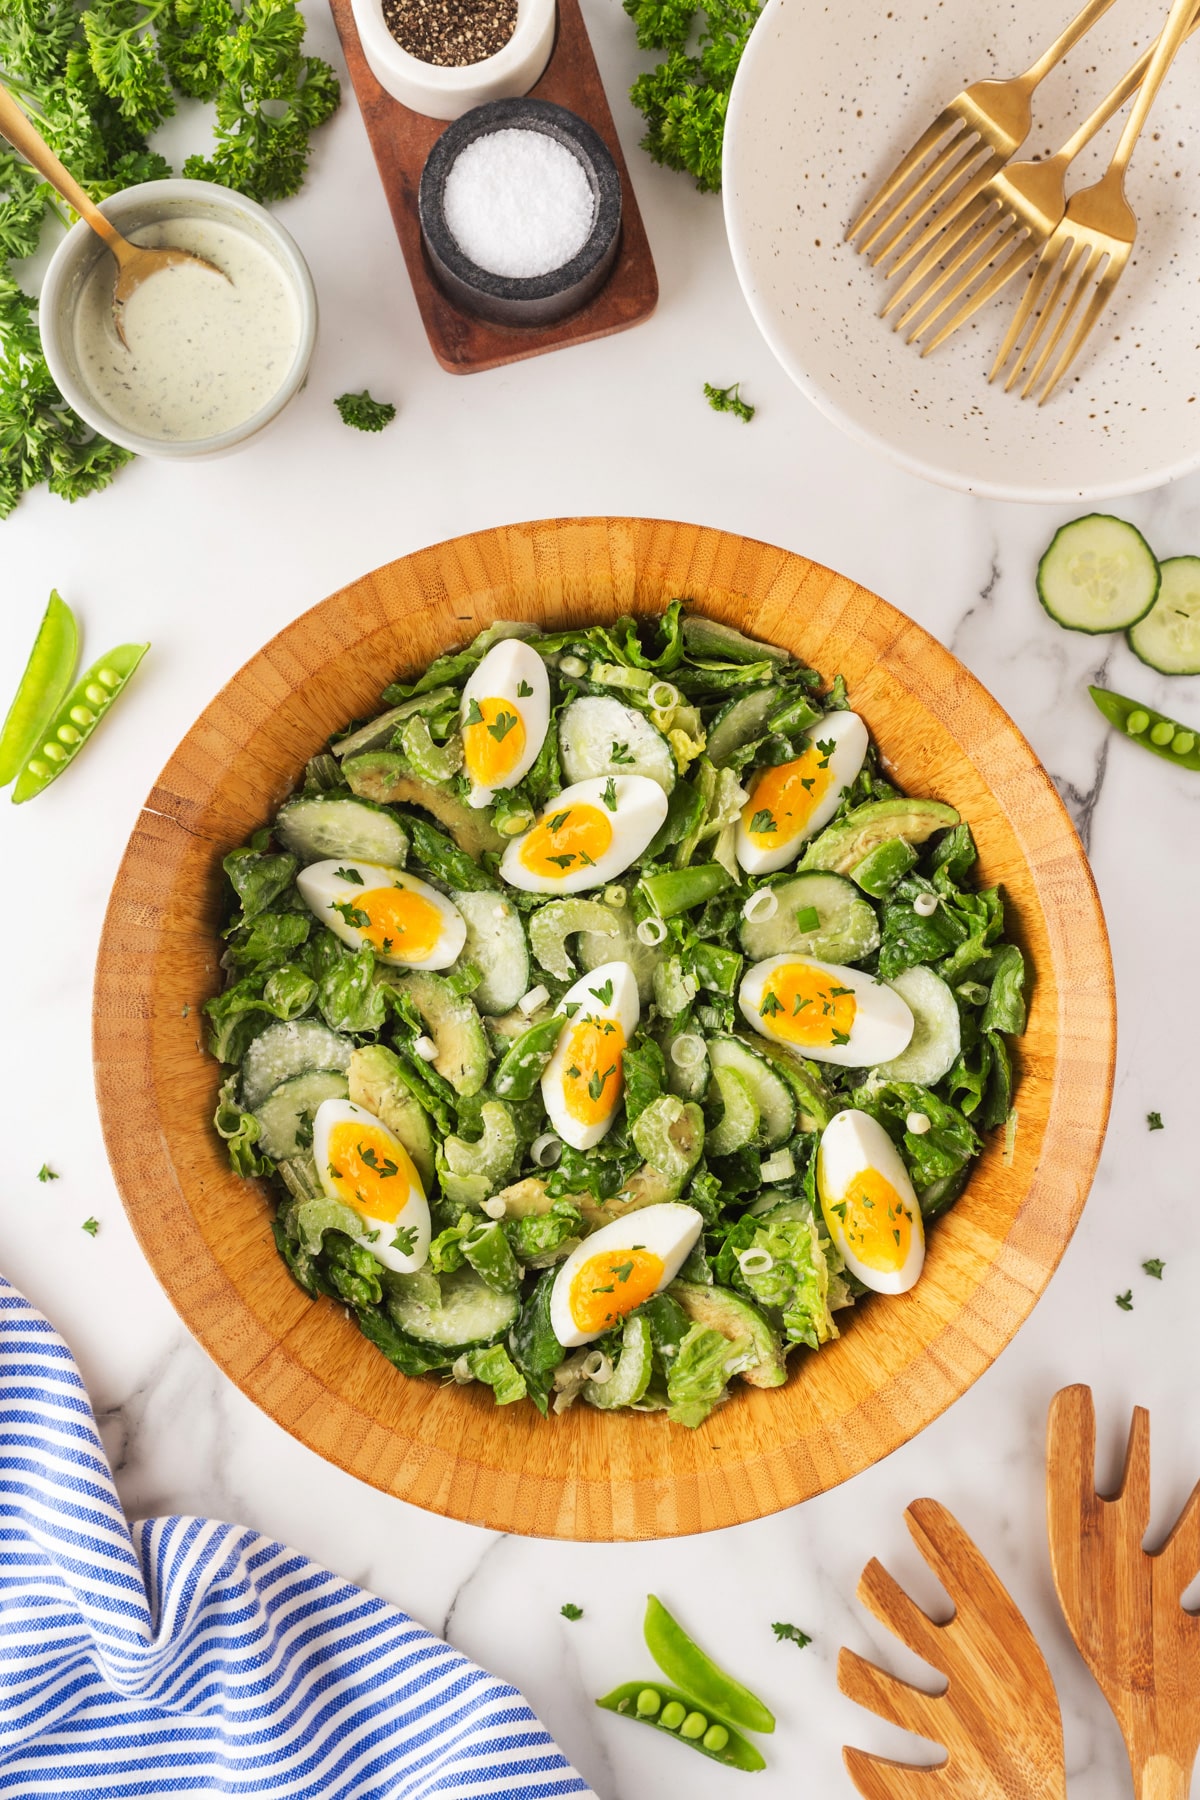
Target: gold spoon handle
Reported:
point(1115, 101)
point(27, 140)
point(1178, 24)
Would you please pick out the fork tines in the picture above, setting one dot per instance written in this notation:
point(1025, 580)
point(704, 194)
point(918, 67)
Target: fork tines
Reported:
point(957, 145)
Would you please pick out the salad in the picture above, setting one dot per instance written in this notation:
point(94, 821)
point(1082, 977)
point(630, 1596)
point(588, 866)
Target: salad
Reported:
point(606, 1021)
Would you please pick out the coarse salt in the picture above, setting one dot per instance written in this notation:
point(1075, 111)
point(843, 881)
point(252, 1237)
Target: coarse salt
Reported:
point(518, 203)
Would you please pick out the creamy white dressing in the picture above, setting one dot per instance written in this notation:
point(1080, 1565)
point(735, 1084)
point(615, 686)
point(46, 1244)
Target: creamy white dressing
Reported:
point(204, 354)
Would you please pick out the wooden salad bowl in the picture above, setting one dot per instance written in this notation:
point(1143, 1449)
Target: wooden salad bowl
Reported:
point(900, 1362)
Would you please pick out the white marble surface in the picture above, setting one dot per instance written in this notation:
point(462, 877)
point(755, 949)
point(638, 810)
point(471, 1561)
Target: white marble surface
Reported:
point(208, 562)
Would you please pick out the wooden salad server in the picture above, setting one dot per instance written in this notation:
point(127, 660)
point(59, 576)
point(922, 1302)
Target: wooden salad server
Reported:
point(998, 1719)
point(1123, 1605)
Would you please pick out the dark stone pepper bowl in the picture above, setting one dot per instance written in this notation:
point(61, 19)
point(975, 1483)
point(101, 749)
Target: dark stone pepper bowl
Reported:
point(510, 299)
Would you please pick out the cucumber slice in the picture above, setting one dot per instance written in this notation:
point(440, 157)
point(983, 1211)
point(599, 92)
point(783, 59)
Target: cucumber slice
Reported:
point(1099, 574)
point(1168, 637)
point(631, 1377)
point(594, 948)
point(846, 927)
point(772, 1096)
point(595, 726)
point(552, 924)
point(316, 828)
point(290, 1047)
point(285, 1117)
point(738, 1125)
point(470, 1312)
point(937, 1035)
point(496, 945)
point(740, 723)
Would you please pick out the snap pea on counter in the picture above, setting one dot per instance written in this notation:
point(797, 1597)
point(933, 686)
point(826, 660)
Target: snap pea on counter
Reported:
point(1152, 730)
point(712, 1113)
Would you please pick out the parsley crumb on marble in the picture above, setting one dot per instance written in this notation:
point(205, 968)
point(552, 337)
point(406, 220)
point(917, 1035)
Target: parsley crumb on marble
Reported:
point(46, 1173)
point(1125, 1300)
point(1154, 1122)
point(364, 413)
point(571, 1611)
point(1154, 1266)
point(729, 400)
point(91, 1226)
point(791, 1634)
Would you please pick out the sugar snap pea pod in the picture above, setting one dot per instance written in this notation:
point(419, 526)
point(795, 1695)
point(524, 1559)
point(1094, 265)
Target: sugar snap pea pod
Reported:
point(1152, 730)
point(76, 719)
point(682, 1660)
point(653, 1703)
point(47, 675)
point(675, 890)
point(521, 1069)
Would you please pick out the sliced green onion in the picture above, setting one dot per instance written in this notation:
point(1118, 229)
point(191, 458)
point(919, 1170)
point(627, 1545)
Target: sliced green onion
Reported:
point(651, 931)
point(925, 905)
point(598, 1368)
point(917, 1123)
point(755, 1262)
point(687, 1050)
point(663, 697)
point(495, 1208)
point(614, 896)
point(537, 996)
point(780, 1167)
point(546, 1150)
point(761, 905)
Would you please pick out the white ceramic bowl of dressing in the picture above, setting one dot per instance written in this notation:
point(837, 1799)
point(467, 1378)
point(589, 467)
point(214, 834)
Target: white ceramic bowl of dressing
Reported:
point(448, 91)
point(209, 365)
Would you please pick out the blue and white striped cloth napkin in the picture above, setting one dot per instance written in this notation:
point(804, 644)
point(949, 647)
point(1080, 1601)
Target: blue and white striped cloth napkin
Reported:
point(187, 1657)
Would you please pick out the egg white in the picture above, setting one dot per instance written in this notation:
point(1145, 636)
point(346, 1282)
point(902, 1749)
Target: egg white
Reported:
point(585, 999)
point(321, 887)
point(669, 1230)
point(414, 1214)
point(641, 807)
point(882, 1026)
point(852, 1143)
point(848, 734)
point(500, 676)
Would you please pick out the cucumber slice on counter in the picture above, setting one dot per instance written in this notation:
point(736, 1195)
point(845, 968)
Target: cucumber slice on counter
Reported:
point(313, 829)
point(496, 945)
point(462, 1312)
point(286, 1115)
point(1168, 637)
point(1099, 574)
point(771, 1095)
point(937, 1035)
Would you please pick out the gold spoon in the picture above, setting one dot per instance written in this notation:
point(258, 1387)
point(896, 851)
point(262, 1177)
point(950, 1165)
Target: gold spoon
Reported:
point(134, 263)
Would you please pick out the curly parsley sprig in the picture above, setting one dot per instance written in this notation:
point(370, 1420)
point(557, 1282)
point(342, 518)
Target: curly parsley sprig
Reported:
point(684, 99)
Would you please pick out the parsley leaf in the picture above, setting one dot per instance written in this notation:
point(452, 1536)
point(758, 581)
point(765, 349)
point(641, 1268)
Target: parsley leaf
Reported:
point(610, 794)
point(502, 724)
point(729, 400)
point(838, 1038)
point(604, 992)
point(762, 821)
point(523, 690)
point(596, 1085)
point(620, 753)
point(474, 713)
point(771, 1004)
point(558, 821)
point(405, 1240)
point(564, 861)
point(571, 1611)
point(1125, 1300)
point(1154, 1122)
point(791, 1634)
point(371, 1160)
point(350, 875)
point(1154, 1267)
point(353, 915)
point(46, 1173)
point(91, 1226)
point(363, 413)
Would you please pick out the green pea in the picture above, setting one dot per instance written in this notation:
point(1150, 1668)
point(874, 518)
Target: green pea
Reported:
point(1162, 732)
point(69, 734)
point(716, 1737)
point(108, 678)
point(694, 1726)
point(1182, 742)
point(648, 1703)
point(672, 1715)
point(55, 752)
point(95, 694)
point(1137, 722)
point(83, 715)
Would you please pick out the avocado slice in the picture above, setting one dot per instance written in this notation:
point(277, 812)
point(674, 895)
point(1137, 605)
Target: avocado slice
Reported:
point(453, 1023)
point(841, 847)
point(735, 1319)
point(376, 1083)
point(383, 776)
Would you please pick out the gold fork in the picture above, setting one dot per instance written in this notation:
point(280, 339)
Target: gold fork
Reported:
point(1004, 227)
point(1090, 247)
point(989, 118)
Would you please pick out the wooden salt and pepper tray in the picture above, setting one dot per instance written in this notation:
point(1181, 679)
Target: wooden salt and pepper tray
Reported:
point(401, 140)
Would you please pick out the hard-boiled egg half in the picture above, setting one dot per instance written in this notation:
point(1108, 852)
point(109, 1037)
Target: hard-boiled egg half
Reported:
point(791, 801)
point(584, 1080)
point(867, 1199)
point(505, 716)
point(825, 1010)
point(365, 1166)
point(406, 922)
point(586, 835)
point(619, 1268)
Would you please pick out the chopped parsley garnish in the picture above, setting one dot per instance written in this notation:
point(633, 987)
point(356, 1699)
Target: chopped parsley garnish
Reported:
point(762, 821)
point(791, 1634)
point(91, 1226)
point(572, 1007)
point(729, 400)
point(350, 875)
point(370, 1158)
point(799, 1004)
point(474, 713)
point(571, 1611)
point(604, 992)
point(353, 915)
point(502, 724)
point(839, 1038)
point(597, 1082)
point(405, 1240)
point(622, 1271)
point(771, 1004)
point(523, 690)
point(564, 861)
point(610, 794)
point(827, 749)
point(1125, 1300)
point(808, 783)
point(385, 946)
point(621, 754)
point(574, 1073)
point(1154, 1121)
point(334, 1174)
point(1154, 1267)
point(558, 821)
point(46, 1173)
point(835, 992)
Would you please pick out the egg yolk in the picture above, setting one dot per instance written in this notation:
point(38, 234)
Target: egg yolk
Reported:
point(494, 742)
point(592, 1078)
point(607, 1287)
point(873, 1221)
point(371, 1172)
point(399, 922)
point(783, 799)
point(562, 842)
point(804, 1005)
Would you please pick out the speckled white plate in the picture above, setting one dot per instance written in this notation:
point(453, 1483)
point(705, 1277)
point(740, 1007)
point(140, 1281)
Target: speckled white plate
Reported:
point(829, 94)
